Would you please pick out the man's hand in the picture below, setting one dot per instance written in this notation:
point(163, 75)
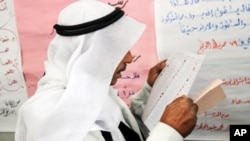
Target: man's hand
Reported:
point(155, 71)
point(181, 115)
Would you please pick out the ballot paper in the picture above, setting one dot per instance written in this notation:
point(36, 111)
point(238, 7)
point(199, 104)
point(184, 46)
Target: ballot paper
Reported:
point(210, 96)
point(175, 80)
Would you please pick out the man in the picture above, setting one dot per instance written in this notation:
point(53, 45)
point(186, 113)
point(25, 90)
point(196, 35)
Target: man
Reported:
point(74, 100)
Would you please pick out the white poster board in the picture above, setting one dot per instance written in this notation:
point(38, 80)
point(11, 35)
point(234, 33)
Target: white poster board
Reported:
point(220, 30)
point(12, 85)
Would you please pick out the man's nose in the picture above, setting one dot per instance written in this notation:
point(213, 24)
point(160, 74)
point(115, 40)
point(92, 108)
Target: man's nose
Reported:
point(128, 58)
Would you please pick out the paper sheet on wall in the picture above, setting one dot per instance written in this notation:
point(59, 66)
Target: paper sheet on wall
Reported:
point(12, 85)
point(175, 80)
point(220, 30)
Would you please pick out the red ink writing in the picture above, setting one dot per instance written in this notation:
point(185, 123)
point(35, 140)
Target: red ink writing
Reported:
point(213, 127)
point(240, 101)
point(236, 81)
point(218, 45)
point(216, 115)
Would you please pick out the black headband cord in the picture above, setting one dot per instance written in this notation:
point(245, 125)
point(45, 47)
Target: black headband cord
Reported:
point(91, 26)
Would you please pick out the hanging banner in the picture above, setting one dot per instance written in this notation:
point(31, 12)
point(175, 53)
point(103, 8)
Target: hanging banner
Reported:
point(219, 29)
point(12, 85)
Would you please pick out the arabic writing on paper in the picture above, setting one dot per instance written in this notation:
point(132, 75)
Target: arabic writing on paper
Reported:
point(10, 108)
point(219, 30)
point(120, 3)
point(219, 12)
point(12, 85)
point(124, 90)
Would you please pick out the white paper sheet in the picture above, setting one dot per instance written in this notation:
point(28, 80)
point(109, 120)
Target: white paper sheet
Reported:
point(210, 96)
point(175, 80)
point(12, 85)
point(220, 30)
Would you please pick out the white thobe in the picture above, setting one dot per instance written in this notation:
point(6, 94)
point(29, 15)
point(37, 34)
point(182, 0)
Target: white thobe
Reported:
point(161, 132)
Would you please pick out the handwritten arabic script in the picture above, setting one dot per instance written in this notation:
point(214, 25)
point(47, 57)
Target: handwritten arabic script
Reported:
point(10, 108)
point(12, 84)
point(218, 29)
point(216, 12)
point(9, 51)
point(120, 3)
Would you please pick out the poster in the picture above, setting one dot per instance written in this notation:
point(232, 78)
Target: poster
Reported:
point(219, 29)
point(12, 85)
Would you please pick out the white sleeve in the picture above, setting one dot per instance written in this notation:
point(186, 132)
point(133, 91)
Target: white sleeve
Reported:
point(139, 100)
point(163, 132)
point(94, 136)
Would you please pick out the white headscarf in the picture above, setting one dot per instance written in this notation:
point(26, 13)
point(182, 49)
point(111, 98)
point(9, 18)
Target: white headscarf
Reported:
point(79, 69)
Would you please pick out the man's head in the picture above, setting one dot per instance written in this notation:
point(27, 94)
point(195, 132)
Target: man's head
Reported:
point(83, 60)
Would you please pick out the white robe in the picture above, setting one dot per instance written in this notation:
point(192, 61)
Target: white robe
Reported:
point(161, 132)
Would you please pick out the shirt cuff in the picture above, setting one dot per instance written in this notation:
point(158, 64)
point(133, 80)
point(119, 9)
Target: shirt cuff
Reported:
point(147, 87)
point(163, 132)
